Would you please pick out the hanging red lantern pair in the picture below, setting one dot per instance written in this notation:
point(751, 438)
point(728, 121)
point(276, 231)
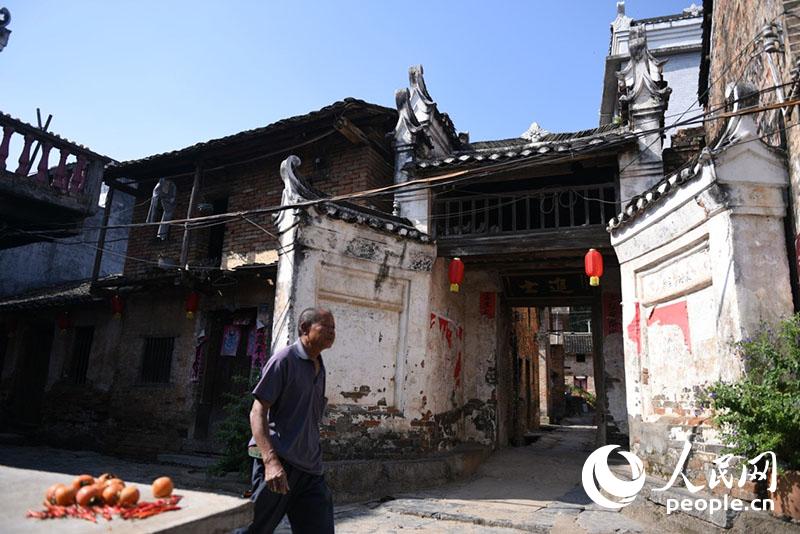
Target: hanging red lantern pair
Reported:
point(456, 274)
point(593, 263)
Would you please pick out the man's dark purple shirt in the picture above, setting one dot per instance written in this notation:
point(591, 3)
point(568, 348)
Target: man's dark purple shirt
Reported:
point(297, 401)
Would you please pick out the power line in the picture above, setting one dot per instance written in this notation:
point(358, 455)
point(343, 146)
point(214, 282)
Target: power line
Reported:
point(204, 268)
point(431, 182)
point(419, 184)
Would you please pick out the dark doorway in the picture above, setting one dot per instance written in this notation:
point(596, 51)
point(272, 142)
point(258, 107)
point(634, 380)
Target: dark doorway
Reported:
point(227, 369)
point(31, 376)
point(556, 331)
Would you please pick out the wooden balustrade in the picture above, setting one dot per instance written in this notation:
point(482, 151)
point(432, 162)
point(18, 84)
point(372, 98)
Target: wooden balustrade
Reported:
point(541, 210)
point(63, 177)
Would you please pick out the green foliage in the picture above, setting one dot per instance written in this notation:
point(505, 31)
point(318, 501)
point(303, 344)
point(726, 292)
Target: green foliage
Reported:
point(588, 396)
point(234, 431)
point(761, 412)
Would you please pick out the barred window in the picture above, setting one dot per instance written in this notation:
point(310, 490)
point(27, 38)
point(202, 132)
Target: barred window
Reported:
point(157, 360)
point(81, 349)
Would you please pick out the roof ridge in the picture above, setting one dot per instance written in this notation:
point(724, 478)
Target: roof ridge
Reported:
point(339, 105)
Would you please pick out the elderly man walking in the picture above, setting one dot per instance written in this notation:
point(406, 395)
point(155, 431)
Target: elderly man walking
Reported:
point(287, 408)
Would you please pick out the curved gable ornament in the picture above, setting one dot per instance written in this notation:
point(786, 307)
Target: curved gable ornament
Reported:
point(295, 188)
point(421, 101)
point(642, 81)
point(291, 182)
point(408, 127)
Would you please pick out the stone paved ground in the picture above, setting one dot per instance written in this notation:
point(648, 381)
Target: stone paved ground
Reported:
point(523, 489)
point(533, 488)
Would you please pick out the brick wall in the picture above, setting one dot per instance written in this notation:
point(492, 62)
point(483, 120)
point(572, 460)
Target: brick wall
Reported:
point(736, 23)
point(333, 165)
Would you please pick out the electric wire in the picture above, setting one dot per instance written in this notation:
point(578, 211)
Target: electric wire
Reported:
point(425, 184)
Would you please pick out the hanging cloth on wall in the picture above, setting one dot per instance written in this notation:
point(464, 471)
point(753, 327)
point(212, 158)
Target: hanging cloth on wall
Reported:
point(164, 196)
point(199, 353)
point(257, 345)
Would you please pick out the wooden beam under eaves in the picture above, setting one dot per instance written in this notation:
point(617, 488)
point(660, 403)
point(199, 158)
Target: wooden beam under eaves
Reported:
point(353, 133)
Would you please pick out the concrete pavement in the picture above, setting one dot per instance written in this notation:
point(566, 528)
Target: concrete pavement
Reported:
point(26, 472)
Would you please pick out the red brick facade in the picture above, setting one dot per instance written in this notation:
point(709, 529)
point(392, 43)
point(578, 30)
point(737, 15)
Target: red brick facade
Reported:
point(333, 165)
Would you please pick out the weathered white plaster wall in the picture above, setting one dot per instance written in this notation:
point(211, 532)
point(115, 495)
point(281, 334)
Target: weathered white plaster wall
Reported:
point(701, 269)
point(410, 365)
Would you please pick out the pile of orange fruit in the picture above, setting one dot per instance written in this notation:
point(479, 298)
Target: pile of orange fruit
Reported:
point(107, 495)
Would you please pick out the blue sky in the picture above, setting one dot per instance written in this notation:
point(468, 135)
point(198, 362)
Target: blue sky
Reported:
point(129, 79)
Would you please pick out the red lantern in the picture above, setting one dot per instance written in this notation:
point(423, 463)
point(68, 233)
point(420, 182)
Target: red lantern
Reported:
point(192, 303)
point(456, 273)
point(63, 321)
point(117, 306)
point(593, 262)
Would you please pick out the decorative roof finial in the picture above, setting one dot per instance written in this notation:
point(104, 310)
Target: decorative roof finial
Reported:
point(641, 81)
point(694, 10)
point(621, 8)
point(534, 133)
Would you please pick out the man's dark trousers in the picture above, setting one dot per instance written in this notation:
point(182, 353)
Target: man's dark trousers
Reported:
point(308, 504)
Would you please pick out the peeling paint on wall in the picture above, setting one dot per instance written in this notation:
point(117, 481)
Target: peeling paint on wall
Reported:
point(356, 394)
point(676, 314)
point(634, 328)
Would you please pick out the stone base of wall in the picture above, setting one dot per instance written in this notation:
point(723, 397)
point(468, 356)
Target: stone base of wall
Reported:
point(359, 480)
point(659, 444)
point(373, 432)
point(76, 417)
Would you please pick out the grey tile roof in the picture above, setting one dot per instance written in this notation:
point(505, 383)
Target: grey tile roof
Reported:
point(641, 203)
point(547, 147)
point(383, 222)
point(61, 295)
point(336, 108)
point(667, 18)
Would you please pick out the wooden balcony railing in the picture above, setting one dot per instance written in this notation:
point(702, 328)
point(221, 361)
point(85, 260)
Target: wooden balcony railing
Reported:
point(46, 160)
point(540, 210)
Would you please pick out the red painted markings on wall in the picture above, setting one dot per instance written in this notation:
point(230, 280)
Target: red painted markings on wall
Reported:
point(447, 329)
point(444, 327)
point(634, 330)
point(676, 314)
